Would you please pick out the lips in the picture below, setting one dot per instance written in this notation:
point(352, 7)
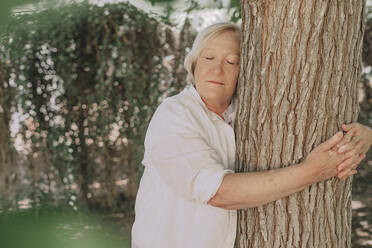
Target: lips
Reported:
point(215, 82)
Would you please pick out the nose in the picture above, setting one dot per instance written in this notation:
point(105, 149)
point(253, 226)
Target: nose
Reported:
point(218, 67)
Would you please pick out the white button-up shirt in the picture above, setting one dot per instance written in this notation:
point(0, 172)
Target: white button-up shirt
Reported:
point(188, 151)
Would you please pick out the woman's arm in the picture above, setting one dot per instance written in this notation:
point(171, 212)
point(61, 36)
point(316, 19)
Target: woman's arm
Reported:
point(252, 189)
point(248, 190)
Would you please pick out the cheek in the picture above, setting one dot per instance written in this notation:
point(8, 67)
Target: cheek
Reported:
point(197, 69)
point(234, 76)
point(200, 72)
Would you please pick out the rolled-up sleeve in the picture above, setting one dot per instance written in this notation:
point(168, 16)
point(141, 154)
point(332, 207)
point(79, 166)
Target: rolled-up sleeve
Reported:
point(175, 146)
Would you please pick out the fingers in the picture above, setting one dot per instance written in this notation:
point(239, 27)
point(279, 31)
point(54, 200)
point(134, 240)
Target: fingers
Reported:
point(347, 127)
point(350, 161)
point(347, 138)
point(354, 144)
point(362, 147)
point(331, 142)
point(355, 133)
point(346, 163)
point(346, 147)
point(349, 166)
point(353, 172)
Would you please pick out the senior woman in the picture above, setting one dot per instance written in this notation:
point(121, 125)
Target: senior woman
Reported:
point(188, 195)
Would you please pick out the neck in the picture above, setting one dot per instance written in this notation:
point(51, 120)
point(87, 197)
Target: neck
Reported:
point(217, 108)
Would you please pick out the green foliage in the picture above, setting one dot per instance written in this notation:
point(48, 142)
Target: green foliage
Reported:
point(88, 80)
point(237, 10)
point(7, 5)
point(233, 7)
point(56, 227)
point(153, 2)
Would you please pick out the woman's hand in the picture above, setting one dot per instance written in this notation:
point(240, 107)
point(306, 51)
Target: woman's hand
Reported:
point(322, 162)
point(356, 142)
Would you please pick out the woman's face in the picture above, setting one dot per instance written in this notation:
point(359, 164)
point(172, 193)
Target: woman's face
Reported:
point(217, 68)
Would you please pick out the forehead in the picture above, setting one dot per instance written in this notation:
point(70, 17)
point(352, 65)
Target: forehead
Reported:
point(227, 41)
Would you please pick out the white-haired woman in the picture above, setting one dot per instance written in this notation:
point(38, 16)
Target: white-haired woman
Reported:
point(188, 193)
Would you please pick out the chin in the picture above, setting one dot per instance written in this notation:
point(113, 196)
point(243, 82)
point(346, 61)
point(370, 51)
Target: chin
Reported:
point(216, 96)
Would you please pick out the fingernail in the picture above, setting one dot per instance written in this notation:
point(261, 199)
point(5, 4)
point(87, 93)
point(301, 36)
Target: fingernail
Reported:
point(341, 149)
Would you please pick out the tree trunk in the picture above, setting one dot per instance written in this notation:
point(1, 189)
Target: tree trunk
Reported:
point(301, 62)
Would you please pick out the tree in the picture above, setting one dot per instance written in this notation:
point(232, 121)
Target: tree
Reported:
point(301, 62)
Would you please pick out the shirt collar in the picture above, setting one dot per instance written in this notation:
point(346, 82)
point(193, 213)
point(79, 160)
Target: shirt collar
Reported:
point(229, 114)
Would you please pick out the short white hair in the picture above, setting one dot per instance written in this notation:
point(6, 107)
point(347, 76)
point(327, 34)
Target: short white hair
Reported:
point(200, 41)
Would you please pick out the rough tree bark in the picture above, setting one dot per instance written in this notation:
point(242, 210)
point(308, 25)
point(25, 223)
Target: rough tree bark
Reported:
point(301, 61)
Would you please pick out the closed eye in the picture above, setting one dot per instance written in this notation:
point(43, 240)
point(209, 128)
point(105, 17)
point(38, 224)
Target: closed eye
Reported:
point(232, 63)
point(208, 58)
